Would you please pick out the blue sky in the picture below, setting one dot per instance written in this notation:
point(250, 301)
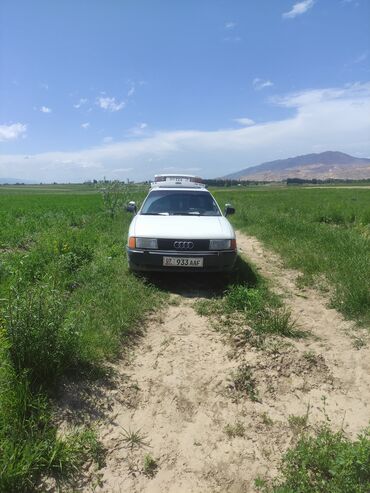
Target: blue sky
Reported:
point(129, 88)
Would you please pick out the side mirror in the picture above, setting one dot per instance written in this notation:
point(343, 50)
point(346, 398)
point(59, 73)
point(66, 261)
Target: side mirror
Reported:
point(131, 207)
point(229, 209)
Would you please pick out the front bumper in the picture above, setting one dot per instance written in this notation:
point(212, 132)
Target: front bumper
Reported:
point(152, 260)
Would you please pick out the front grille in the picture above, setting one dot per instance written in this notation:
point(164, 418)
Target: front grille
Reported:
point(199, 245)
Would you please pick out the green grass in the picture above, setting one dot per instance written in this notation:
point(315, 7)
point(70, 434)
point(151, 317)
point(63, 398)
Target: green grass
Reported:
point(261, 308)
point(248, 312)
point(326, 462)
point(325, 233)
point(67, 305)
point(29, 443)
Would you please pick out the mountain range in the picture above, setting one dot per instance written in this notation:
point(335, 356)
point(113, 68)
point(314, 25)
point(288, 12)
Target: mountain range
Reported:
point(323, 165)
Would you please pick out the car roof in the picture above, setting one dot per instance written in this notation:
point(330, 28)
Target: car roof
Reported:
point(179, 187)
point(177, 181)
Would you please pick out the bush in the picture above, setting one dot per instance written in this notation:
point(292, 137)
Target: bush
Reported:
point(115, 195)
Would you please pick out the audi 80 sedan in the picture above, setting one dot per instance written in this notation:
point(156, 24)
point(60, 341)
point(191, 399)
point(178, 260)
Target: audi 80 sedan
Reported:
point(180, 227)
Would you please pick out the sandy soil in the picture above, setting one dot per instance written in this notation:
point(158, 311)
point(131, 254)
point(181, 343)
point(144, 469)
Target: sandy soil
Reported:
point(174, 393)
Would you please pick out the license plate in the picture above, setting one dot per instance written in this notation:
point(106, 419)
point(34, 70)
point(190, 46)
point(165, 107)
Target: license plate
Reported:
point(182, 262)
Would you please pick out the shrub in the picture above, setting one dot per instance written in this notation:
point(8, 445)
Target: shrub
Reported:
point(115, 194)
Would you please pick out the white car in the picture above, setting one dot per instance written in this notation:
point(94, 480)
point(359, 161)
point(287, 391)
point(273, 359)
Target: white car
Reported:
point(180, 227)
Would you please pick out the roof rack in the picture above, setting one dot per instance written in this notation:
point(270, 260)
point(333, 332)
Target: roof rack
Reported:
point(176, 180)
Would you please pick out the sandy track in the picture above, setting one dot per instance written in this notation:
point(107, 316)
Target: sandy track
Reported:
point(348, 391)
point(181, 371)
point(174, 392)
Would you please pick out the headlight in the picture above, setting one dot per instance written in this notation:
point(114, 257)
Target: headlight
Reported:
point(219, 244)
point(150, 243)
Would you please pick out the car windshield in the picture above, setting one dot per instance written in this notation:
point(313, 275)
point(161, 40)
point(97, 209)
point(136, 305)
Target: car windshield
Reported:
point(180, 202)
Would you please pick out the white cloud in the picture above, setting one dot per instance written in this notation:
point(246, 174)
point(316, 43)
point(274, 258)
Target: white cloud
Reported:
point(45, 109)
point(85, 125)
point(233, 39)
point(259, 84)
point(108, 140)
point(121, 170)
point(131, 92)
point(13, 131)
point(230, 25)
point(334, 118)
point(110, 104)
point(246, 122)
point(138, 129)
point(298, 9)
point(311, 97)
point(80, 103)
point(361, 58)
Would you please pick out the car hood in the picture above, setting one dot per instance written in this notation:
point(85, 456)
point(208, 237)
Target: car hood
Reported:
point(181, 227)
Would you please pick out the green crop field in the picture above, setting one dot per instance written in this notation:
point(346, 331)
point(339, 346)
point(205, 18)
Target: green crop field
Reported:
point(324, 233)
point(67, 303)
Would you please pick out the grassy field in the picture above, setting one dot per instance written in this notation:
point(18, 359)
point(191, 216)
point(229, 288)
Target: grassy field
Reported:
point(67, 304)
point(324, 233)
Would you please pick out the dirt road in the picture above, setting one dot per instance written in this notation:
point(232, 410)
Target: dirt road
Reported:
point(172, 404)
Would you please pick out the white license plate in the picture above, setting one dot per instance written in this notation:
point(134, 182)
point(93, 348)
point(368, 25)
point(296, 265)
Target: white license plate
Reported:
point(182, 262)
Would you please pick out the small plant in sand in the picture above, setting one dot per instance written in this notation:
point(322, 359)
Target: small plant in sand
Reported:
point(174, 301)
point(243, 382)
point(134, 439)
point(150, 466)
point(297, 423)
point(359, 342)
point(310, 357)
point(266, 420)
point(236, 430)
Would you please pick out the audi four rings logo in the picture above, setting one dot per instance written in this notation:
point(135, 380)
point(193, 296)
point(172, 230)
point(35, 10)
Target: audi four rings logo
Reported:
point(184, 245)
